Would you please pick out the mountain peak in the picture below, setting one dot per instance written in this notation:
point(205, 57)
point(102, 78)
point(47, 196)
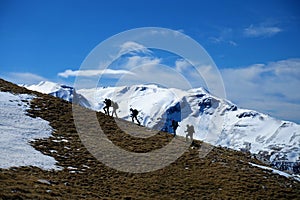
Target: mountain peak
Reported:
point(45, 87)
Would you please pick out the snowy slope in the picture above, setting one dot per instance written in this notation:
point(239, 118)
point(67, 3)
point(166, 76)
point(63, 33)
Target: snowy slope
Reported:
point(45, 87)
point(216, 120)
point(151, 101)
point(58, 90)
point(17, 130)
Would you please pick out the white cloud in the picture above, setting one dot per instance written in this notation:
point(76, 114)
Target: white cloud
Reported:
point(23, 78)
point(219, 40)
point(90, 73)
point(232, 43)
point(201, 75)
point(226, 36)
point(148, 69)
point(165, 32)
point(135, 61)
point(272, 88)
point(156, 74)
point(181, 65)
point(261, 31)
point(133, 47)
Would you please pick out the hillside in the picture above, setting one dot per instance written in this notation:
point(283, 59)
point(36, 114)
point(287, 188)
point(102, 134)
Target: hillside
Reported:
point(222, 174)
point(216, 120)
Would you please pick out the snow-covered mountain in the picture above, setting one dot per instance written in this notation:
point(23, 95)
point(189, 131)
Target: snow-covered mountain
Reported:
point(61, 91)
point(216, 120)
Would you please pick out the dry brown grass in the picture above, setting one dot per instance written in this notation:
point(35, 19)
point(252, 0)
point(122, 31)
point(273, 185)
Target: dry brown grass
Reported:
point(222, 174)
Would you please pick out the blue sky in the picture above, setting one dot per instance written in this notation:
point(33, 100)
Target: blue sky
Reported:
point(255, 44)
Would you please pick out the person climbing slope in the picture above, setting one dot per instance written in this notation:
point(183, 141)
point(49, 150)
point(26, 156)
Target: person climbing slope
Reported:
point(190, 130)
point(107, 103)
point(174, 125)
point(134, 113)
point(115, 106)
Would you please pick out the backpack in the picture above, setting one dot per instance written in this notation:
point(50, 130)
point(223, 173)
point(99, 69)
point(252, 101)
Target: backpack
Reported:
point(115, 105)
point(135, 112)
point(191, 129)
point(108, 102)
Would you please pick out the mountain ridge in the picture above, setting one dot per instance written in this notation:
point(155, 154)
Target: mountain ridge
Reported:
point(216, 120)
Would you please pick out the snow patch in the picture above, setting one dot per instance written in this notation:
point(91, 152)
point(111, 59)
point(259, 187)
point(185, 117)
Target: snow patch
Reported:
point(17, 130)
point(275, 171)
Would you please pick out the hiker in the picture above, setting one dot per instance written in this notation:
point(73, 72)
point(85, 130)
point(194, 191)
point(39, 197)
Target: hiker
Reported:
point(190, 132)
point(134, 113)
point(107, 103)
point(174, 125)
point(115, 106)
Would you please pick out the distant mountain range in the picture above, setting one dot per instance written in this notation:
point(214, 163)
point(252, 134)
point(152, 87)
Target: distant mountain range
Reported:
point(216, 120)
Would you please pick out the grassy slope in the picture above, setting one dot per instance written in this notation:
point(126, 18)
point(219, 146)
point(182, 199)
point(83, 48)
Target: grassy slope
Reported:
point(222, 174)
